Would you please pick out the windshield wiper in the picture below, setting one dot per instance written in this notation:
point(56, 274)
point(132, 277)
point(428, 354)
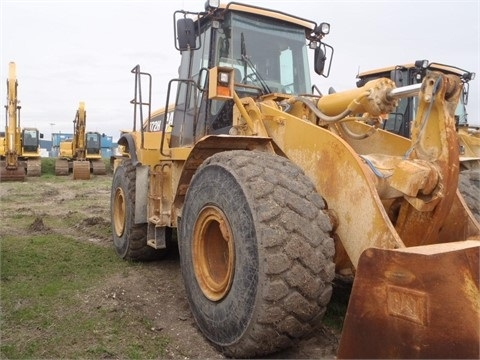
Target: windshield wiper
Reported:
point(247, 61)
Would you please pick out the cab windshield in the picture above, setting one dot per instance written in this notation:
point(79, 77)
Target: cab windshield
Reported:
point(267, 53)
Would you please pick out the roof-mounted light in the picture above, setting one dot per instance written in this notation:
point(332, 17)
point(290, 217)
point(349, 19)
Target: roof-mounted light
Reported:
point(422, 64)
point(322, 29)
point(212, 4)
point(468, 76)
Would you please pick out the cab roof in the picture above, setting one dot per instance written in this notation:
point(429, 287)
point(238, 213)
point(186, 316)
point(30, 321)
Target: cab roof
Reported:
point(252, 9)
point(431, 66)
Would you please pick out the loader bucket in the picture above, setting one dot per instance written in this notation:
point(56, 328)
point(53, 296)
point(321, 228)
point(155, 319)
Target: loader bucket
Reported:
point(417, 302)
point(81, 170)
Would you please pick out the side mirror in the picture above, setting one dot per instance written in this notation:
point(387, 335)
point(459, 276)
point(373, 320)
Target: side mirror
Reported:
point(319, 60)
point(186, 38)
point(323, 59)
point(466, 88)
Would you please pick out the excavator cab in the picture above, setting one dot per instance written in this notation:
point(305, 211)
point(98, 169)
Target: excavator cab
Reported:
point(93, 140)
point(30, 140)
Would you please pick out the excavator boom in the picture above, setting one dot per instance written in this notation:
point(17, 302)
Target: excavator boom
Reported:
point(81, 167)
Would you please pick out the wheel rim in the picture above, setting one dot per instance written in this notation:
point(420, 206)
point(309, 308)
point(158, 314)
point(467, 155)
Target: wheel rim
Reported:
point(213, 253)
point(119, 212)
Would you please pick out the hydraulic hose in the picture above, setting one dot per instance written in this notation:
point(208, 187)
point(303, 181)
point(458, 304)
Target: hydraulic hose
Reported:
point(318, 113)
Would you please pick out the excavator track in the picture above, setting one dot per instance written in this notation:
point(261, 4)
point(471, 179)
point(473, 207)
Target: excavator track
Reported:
point(81, 170)
point(34, 167)
point(98, 167)
point(61, 167)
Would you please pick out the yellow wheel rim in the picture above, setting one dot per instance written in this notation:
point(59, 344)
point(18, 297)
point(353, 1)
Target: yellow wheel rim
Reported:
point(119, 212)
point(213, 253)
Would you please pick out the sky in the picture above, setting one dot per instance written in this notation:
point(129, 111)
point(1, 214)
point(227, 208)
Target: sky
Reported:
point(67, 51)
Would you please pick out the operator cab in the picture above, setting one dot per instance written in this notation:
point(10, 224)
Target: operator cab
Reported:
point(30, 140)
point(93, 141)
point(255, 51)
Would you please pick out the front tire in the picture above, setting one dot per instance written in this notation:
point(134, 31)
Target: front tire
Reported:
point(255, 253)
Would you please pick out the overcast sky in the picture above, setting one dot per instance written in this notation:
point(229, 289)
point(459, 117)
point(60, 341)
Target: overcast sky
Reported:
point(70, 51)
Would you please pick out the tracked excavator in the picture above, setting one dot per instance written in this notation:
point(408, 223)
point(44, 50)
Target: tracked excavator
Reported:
point(80, 155)
point(20, 148)
point(273, 189)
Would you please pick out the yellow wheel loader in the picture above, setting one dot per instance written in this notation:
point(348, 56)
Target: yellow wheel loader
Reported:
point(401, 118)
point(20, 148)
point(80, 155)
point(273, 190)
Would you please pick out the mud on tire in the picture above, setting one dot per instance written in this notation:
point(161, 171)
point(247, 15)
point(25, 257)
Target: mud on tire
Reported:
point(282, 253)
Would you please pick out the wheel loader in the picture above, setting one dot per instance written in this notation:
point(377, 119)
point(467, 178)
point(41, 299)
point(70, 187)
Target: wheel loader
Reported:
point(400, 120)
point(20, 148)
point(80, 155)
point(273, 189)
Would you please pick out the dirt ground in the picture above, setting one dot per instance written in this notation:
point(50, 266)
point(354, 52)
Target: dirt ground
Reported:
point(152, 290)
point(155, 291)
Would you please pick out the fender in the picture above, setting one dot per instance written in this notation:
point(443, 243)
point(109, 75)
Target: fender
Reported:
point(141, 179)
point(128, 141)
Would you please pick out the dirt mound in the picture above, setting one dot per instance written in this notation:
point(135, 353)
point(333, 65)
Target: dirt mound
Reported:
point(95, 220)
point(51, 192)
point(38, 226)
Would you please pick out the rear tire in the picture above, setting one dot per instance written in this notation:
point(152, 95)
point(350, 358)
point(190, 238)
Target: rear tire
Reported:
point(256, 257)
point(129, 239)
